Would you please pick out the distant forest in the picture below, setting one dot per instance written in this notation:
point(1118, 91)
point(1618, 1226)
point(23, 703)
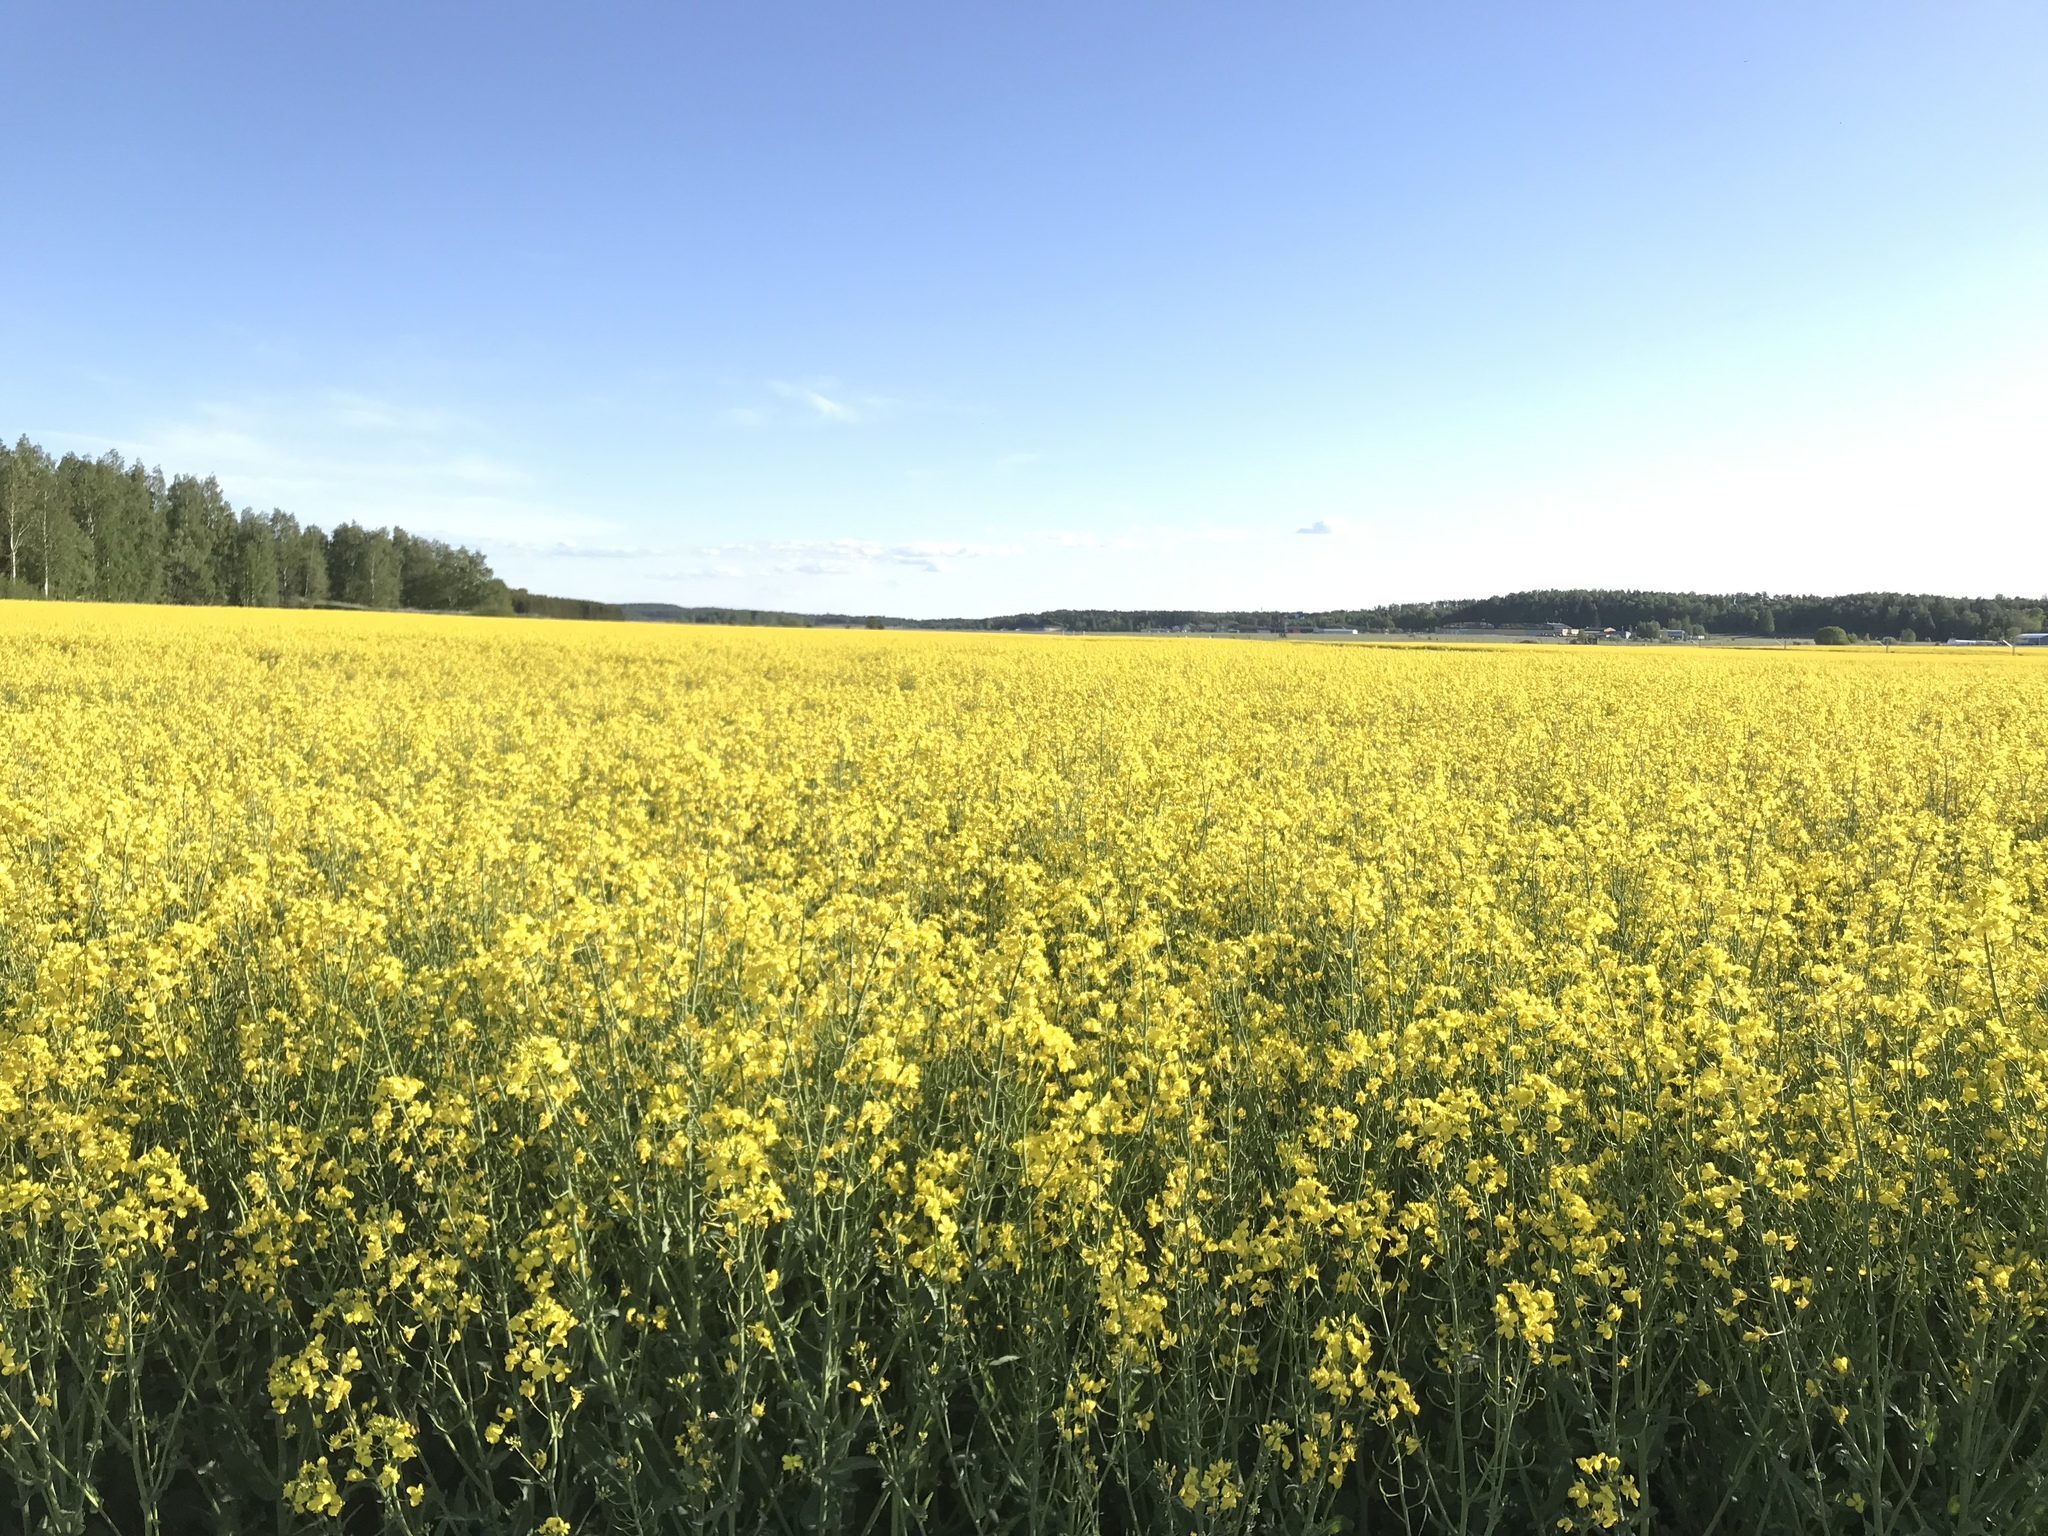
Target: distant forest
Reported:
point(1866, 615)
point(115, 532)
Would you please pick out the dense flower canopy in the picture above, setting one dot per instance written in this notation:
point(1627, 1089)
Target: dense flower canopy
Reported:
point(530, 1078)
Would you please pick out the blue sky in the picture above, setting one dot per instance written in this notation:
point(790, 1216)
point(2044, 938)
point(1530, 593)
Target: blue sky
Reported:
point(956, 309)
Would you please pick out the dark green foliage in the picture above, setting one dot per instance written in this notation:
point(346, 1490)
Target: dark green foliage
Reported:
point(1751, 613)
point(199, 542)
point(115, 532)
point(1830, 634)
point(116, 506)
point(20, 485)
point(534, 605)
point(670, 613)
point(1929, 617)
point(441, 576)
point(301, 560)
point(363, 566)
point(252, 583)
point(43, 552)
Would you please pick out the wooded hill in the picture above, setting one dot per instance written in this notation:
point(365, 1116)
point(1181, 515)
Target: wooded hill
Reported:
point(1872, 615)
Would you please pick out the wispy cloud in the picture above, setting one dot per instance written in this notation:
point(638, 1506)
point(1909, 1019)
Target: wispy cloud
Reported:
point(819, 400)
point(770, 557)
point(1320, 525)
point(814, 396)
point(1147, 538)
point(832, 557)
point(341, 456)
point(371, 413)
point(829, 400)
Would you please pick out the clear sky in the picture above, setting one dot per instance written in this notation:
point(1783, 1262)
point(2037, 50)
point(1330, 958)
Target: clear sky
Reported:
point(959, 308)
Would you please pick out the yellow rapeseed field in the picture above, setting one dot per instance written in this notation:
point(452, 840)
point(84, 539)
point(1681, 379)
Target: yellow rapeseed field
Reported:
point(498, 1076)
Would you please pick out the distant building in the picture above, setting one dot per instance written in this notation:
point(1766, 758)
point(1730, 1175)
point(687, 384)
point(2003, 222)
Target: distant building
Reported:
point(2032, 640)
point(1674, 634)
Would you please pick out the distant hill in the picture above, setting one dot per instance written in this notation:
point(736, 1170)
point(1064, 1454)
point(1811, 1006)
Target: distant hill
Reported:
point(669, 613)
point(1877, 615)
point(537, 605)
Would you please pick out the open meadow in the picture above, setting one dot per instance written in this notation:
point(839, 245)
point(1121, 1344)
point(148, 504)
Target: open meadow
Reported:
point(504, 1076)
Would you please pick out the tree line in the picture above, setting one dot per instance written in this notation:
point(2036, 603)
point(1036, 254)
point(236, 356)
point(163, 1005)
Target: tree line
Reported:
point(1873, 615)
point(111, 531)
point(1863, 615)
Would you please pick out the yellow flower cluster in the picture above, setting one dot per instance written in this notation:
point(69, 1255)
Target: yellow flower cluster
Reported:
point(516, 1077)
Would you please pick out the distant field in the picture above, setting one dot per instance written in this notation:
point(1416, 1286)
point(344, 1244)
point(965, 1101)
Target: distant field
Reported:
point(473, 1076)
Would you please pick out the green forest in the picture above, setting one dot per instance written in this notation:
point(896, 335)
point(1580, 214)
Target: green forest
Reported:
point(1872, 615)
point(106, 530)
point(1859, 615)
point(1864, 615)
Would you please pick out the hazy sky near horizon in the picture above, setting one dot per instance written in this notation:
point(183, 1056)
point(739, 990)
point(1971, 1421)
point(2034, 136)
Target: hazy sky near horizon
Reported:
point(943, 309)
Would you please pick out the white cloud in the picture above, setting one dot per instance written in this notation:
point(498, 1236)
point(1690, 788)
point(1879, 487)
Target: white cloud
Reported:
point(827, 400)
point(369, 412)
point(813, 395)
point(344, 456)
point(755, 560)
